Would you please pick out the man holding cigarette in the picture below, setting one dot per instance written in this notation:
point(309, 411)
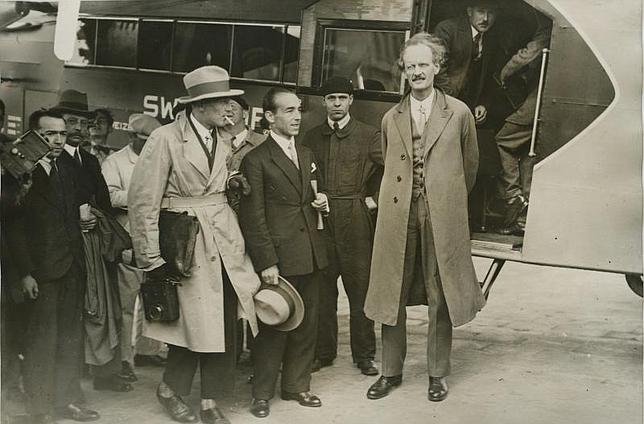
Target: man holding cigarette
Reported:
point(349, 155)
point(279, 221)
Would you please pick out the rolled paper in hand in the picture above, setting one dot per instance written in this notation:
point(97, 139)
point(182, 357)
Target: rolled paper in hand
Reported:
point(314, 185)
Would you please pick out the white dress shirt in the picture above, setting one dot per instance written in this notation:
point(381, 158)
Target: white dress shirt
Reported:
point(204, 133)
point(419, 106)
point(341, 123)
point(287, 145)
point(72, 151)
point(480, 43)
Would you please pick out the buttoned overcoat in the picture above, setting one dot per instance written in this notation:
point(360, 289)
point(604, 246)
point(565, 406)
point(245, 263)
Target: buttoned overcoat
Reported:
point(173, 164)
point(451, 162)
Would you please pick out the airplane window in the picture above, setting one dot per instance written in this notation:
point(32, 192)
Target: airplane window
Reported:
point(116, 45)
point(367, 57)
point(198, 45)
point(155, 39)
point(257, 51)
point(85, 42)
point(291, 53)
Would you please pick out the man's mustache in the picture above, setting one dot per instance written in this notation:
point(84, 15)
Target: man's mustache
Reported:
point(418, 77)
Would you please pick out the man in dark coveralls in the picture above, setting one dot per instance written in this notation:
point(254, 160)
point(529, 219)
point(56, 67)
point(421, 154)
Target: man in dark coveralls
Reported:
point(349, 155)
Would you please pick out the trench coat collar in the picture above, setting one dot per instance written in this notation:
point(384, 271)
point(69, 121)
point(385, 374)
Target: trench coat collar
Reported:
point(192, 150)
point(285, 164)
point(438, 118)
point(342, 132)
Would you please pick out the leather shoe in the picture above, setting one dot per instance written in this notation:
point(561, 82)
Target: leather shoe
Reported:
point(437, 389)
point(321, 363)
point(127, 373)
point(383, 386)
point(78, 413)
point(149, 360)
point(260, 408)
point(368, 367)
point(213, 416)
point(113, 383)
point(303, 398)
point(177, 408)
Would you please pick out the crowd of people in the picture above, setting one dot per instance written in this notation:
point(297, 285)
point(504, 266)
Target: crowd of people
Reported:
point(279, 222)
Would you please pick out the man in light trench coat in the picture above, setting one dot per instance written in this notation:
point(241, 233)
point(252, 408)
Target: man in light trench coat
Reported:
point(422, 248)
point(183, 161)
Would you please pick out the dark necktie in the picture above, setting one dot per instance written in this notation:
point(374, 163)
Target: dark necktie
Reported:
point(77, 157)
point(476, 54)
point(336, 127)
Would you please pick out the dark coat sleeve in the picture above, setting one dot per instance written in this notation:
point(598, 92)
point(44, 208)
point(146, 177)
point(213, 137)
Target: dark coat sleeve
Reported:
point(252, 215)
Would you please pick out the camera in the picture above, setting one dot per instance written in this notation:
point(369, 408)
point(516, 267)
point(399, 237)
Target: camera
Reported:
point(160, 300)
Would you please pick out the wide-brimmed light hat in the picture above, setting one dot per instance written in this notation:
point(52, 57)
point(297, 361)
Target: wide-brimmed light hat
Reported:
point(208, 82)
point(279, 305)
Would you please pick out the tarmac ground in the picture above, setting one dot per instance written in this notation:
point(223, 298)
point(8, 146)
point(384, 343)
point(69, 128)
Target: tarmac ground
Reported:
point(551, 346)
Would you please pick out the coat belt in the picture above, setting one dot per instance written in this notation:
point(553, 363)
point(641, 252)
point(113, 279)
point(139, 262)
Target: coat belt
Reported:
point(194, 202)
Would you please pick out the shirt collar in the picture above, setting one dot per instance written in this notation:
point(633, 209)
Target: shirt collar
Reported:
point(46, 164)
point(239, 139)
point(427, 103)
point(201, 130)
point(341, 123)
point(474, 32)
point(282, 141)
point(131, 154)
point(70, 149)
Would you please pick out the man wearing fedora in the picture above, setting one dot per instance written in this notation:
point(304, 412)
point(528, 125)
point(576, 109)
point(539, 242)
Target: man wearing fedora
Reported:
point(279, 221)
point(182, 167)
point(102, 344)
point(117, 170)
point(350, 160)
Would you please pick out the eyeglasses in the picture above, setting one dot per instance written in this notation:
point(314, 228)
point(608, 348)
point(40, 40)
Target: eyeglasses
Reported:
point(75, 121)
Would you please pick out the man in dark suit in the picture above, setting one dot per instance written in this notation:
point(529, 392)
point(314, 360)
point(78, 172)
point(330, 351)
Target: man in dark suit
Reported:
point(49, 256)
point(278, 220)
point(102, 349)
point(473, 48)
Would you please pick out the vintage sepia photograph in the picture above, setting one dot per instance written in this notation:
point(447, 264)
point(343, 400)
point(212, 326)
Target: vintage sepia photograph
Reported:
point(321, 211)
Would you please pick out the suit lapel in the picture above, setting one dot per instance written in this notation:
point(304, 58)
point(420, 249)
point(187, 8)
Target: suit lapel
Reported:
point(284, 163)
point(403, 123)
point(192, 150)
point(436, 122)
point(304, 158)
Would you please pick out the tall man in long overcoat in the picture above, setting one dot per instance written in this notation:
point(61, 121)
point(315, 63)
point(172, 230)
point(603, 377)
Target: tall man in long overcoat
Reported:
point(182, 168)
point(350, 160)
point(422, 248)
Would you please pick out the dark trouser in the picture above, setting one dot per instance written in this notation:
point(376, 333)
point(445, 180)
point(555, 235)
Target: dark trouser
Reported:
point(53, 343)
point(350, 240)
point(420, 251)
point(110, 368)
point(293, 350)
point(217, 369)
point(513, 142)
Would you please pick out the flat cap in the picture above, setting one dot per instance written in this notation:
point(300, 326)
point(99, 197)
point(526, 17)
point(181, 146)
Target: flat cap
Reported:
point(142, 125)
point(337, 85)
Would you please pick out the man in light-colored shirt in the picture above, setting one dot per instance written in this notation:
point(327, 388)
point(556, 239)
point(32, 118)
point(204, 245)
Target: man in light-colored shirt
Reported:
point(117, 170)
